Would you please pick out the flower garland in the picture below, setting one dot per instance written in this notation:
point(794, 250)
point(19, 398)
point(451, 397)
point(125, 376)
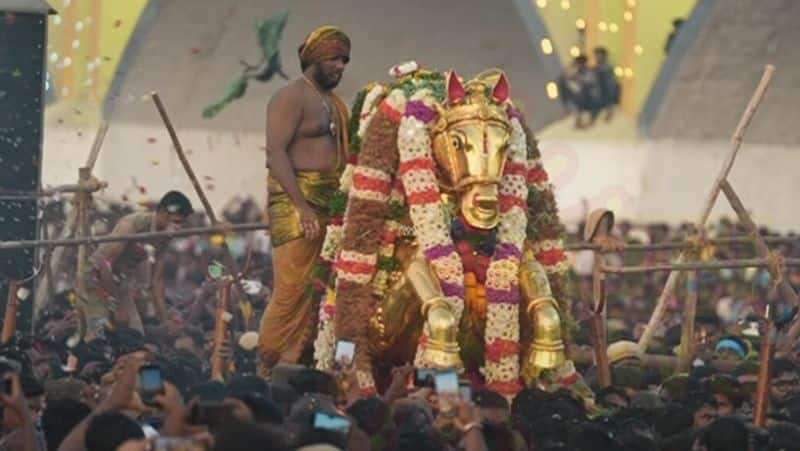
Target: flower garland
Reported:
point(431, 223)
point(323, 281)
point(501, 336)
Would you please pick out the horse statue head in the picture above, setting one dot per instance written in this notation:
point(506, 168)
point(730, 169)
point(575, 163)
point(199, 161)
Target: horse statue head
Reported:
point(469, 142)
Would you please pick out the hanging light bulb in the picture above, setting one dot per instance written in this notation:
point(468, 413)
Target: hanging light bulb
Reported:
point(602, 26)
point(552, 90)
point(574, 51)
point(637, 49)
point(547, 46)
point(580, 24)
point(613, 27)
point(628, 16)
point(541, 3)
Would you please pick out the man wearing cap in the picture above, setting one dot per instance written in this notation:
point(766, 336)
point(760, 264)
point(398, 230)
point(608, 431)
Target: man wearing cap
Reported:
point(306, 153)
point(112, 284)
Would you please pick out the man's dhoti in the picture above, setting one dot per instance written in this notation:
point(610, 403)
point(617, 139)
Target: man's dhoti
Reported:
point(289, 320)
point(102, 310)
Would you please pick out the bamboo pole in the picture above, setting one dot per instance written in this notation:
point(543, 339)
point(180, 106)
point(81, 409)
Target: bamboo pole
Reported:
point(42, 296)
point(736, 143)
point(91, 186)
point(10, 245)
point(220, 331)
point(761, 246)
point(740, 263)
point(230, 262)
point(84, 230)
point(687, 327)
point(10, 318)
point(764, 374)
point(683, 245)
point(597, 324)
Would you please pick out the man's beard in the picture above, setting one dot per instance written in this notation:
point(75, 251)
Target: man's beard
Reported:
point(327, 82)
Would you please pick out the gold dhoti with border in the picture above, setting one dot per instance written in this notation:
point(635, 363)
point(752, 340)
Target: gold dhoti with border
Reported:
point(290, 317)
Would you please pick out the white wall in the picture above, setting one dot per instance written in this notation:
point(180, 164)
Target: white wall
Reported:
point(639, 180)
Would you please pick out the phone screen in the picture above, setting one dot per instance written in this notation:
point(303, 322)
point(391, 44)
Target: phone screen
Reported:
point(151, 380)
point(466, 392)
point(333, 423)
point(345, 351)
point(424, 377)
point(446, 382)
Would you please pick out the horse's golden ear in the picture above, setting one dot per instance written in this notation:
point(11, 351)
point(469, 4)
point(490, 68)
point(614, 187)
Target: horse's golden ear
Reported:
point(456, 93)
point(501, 90)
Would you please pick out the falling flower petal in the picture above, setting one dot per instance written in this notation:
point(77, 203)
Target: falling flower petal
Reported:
point(194, 50)
point(151, 140)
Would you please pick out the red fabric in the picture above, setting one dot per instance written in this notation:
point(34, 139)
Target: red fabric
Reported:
point(364, 182)
point(500, 348)
point(509, 202)
point(417, 164)
point(424, 197)
point(512, 168)
point(355, 267)
point(391, 112)
point(505, 388)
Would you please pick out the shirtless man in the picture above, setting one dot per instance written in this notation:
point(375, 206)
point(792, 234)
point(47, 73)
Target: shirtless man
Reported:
point(112, 281)
point(306, 149)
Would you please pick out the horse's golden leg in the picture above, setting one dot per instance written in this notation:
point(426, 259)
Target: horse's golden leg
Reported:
point(441, 350)
point(546, 350)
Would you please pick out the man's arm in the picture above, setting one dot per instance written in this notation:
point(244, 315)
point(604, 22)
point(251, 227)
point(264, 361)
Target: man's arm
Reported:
point(107, 253)
point(284, 114)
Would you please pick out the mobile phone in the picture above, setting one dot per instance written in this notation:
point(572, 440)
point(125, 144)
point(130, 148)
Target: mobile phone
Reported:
point(466, 392)
point(345, 352)
point(208, 413)
point(423, 377)
point(446, 382)
point(329, 422)
point(151, 382)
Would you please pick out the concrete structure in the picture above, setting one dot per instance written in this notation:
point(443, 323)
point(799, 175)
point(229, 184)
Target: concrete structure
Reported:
point(723, 61)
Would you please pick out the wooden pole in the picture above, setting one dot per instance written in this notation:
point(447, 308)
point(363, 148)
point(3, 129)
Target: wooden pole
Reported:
point(84, 230)
point(97, 144)
point(736, 143)
point(684, 245)
point(187, 167)
point(764, 374)
point(687, 327)
point(198, 189)
point(9, 245)
point(220, 331)
point(597, 324)
point(43, 290)
point(738, 263)
point(761, 246)
point(10, 318)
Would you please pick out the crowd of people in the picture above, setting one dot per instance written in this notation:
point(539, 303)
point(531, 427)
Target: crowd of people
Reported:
point(78, 395)
point(586, 91)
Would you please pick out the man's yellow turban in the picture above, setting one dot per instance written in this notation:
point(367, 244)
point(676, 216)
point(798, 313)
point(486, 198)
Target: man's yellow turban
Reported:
point(323, 43)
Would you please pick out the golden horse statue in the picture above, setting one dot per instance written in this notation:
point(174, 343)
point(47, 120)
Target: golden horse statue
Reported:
point(445, 247)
